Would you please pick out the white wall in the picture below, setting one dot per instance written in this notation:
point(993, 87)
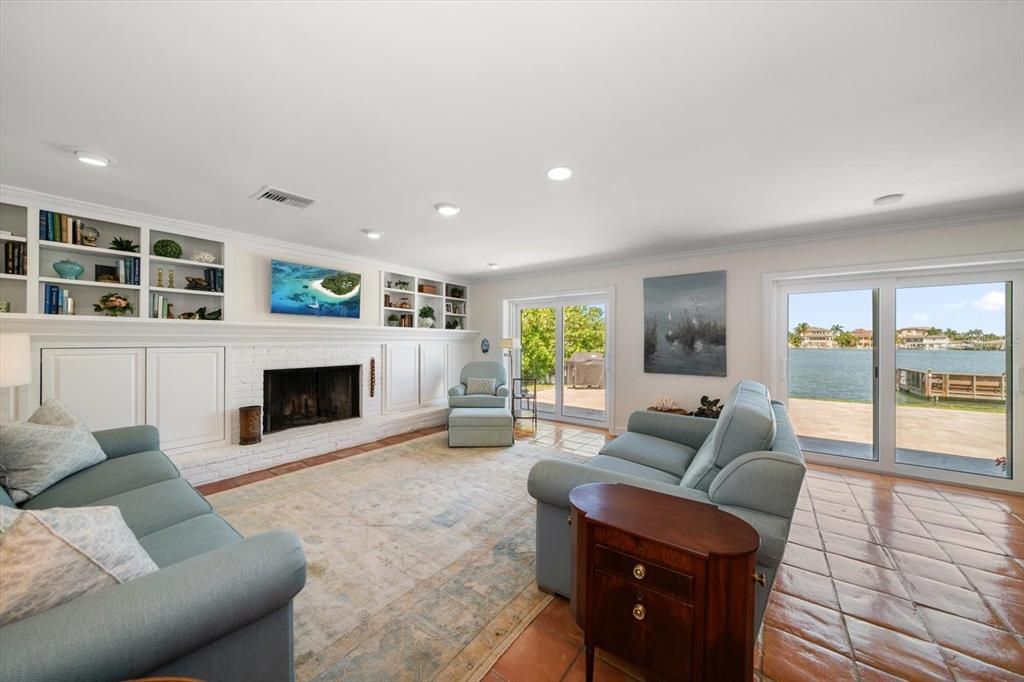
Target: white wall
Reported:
point(745, 268)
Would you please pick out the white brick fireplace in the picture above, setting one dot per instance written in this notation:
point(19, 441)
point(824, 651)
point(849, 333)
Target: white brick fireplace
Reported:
point(190, 380)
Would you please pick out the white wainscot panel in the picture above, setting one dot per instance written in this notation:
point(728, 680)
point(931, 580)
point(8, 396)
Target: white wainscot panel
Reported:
point(185, 395)
point(459, 355)
point(433, 373)
point(401, 390)
point(103, 387)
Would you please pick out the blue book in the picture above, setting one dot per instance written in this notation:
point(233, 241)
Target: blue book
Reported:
point(42, 224)
point(49, 226)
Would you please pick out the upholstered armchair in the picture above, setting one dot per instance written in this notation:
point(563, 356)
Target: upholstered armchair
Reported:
point(484, 369)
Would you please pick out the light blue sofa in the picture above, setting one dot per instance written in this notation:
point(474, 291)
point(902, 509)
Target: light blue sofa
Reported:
point(747, 462)
point(219, 609)
point(481, 369)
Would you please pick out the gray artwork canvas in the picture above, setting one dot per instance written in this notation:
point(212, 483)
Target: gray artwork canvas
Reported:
point(684, 324)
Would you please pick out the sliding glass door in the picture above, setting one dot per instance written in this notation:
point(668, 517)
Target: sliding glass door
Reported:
point(833, 371)
point(563, 346)
point(905, 374)
point(953, 403)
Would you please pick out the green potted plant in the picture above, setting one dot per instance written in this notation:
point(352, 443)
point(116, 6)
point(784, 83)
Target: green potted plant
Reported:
point(123, 244)
point(393, 320)
point(426, 317)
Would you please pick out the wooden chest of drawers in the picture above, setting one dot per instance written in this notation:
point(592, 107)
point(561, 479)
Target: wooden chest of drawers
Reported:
point(664, 583)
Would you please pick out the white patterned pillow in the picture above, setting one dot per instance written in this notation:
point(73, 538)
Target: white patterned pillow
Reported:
point(52, 556)
point(481, 386)
point(50, 446)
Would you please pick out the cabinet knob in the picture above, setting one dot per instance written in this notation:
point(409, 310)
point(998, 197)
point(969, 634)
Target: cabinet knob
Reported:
point(759, 578)
point(570, 519)
point(639, 572)
point(639, 611)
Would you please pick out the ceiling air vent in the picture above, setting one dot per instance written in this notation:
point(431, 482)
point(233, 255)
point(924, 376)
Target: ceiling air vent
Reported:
point(279, 196)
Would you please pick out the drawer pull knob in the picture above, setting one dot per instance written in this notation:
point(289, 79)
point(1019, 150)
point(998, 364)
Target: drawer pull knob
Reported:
point(759, 579)
point(639, 611)
point(570, 520)
point(639, 572)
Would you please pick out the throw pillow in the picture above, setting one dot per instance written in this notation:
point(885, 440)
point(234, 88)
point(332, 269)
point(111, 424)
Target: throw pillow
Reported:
point(50, 446)
point(481, 386)
point(52, 556)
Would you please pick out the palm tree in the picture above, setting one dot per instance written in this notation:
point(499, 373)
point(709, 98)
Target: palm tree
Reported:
point(802, 328)
point(837, 328)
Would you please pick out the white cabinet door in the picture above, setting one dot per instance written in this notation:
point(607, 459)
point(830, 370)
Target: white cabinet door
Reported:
point(103, 387)
point(433, 373)
point(459, 355)
point(185, 395)
point(402, 372)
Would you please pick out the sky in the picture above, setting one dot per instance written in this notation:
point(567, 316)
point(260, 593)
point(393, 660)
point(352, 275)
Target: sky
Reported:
point(958, 306)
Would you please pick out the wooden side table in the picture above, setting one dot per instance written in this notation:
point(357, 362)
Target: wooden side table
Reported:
point(664, 583)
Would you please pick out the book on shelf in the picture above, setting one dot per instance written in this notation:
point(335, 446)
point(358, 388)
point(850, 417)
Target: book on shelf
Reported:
point(15, 258)
point(57, 227)
point(215, 278)
point(57, 301)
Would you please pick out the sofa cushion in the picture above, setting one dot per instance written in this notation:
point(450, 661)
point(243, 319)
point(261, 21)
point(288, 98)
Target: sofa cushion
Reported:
point(52, 556)
point(105, 479)
point(491, 401)
point(157, 506)
point(479, 416)
point(481, 385)
point(664, 455)
point(747, 424)
point(624, 466)
point(187, 539)
point(5, 499)
point(50, 446)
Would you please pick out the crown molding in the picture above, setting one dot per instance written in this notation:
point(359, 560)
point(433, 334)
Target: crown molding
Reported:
point(52, 202)
point(963, 220)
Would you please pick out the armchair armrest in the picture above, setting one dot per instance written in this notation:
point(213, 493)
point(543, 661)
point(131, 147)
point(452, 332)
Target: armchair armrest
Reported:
point(764, 481)
point(551, 481)
point(128, 630)
point(502, 391)
point(128, 440)
point(689, 431)
point(457, 390)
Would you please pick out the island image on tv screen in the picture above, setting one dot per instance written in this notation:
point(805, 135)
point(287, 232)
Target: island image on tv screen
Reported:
point(311, 290)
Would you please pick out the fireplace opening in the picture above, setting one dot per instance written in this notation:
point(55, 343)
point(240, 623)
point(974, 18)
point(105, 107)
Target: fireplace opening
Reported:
point(310, 395)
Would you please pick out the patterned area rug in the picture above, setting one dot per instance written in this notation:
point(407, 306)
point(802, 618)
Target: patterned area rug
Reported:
point(421, 557)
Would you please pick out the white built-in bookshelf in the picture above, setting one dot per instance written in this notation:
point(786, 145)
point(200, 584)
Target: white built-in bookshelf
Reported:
point(109, 266)
point(404, 296)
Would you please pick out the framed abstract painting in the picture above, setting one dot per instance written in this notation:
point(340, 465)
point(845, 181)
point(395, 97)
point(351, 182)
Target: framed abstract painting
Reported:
point(684, 324)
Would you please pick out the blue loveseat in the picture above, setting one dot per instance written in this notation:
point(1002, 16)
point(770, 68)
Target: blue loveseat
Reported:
point(218, 609)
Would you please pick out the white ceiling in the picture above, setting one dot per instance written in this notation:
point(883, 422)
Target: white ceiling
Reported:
point(686, 123)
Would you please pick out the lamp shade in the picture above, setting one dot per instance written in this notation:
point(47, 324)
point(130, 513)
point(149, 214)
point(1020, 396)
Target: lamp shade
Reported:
point(509, 344)
point(15, 360)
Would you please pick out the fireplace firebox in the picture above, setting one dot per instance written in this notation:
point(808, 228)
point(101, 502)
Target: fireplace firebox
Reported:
point(309, 395)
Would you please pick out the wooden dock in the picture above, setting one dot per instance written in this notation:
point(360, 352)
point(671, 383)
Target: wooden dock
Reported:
point(946, 385)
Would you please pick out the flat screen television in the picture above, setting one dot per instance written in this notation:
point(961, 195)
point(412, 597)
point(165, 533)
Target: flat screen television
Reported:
point(297, 289)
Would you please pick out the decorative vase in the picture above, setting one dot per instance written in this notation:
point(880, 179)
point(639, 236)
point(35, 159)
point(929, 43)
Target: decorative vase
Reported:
point(427, 322)
point(68, 269)
point(89, 235)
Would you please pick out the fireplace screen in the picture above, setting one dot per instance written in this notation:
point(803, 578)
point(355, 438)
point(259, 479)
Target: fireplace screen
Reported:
point(311, 395)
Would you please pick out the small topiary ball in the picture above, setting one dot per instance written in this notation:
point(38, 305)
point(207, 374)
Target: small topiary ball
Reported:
point(167, 248)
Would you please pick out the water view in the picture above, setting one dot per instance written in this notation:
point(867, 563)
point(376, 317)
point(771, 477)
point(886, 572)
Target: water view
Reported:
point(846, 373)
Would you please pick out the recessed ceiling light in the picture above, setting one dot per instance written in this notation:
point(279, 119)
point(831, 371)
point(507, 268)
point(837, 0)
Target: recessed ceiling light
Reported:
point(888, 199)
point(447, 209)
point(560, 173)
point(493, 266)
point(92, 159)
point(372, 234)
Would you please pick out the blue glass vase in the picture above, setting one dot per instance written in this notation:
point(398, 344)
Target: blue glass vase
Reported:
point(68, 269)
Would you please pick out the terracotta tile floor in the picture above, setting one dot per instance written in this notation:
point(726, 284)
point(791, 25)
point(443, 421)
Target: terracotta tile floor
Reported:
point(883, 579)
